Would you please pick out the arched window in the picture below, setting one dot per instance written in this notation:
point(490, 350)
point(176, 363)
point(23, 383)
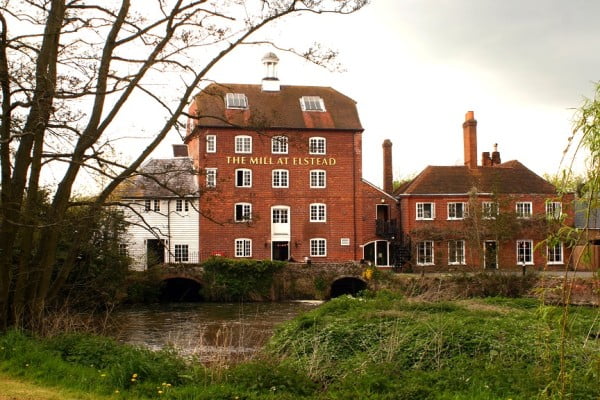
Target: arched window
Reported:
point(377, 253)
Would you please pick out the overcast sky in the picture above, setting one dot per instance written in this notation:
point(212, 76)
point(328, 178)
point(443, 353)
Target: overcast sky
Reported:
point(415, 67)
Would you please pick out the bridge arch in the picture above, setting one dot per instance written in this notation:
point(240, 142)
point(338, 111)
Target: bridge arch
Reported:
point(346, 285)
point(180, 289)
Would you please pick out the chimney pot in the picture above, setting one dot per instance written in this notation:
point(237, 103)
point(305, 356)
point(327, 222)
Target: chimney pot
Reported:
point(496, 155)
point(486, 160)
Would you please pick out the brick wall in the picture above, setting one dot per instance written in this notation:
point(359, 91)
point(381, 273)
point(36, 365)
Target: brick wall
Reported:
point(440, 230)
point(344, 210)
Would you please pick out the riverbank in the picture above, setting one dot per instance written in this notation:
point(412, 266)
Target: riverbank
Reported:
point(381, 346)
point(14, 389)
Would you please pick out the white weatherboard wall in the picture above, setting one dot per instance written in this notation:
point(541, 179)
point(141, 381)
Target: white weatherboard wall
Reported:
point(167, 224)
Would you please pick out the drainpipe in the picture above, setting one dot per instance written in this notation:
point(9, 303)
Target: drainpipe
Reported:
point(354, 194)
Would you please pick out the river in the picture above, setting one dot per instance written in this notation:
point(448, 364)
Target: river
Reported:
point(213, 332)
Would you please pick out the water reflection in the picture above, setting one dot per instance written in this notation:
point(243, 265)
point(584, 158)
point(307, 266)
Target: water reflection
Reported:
point(215, 332)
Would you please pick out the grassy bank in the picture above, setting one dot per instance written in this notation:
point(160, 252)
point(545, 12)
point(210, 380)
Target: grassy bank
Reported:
point(376, 347)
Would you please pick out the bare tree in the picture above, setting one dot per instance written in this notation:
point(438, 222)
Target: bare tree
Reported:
point(68, 70)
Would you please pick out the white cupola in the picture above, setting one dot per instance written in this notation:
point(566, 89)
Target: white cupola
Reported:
point(270, 82)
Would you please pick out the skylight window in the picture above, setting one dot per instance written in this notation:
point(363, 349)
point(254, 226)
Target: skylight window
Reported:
point(236, 100)
point(312, 103)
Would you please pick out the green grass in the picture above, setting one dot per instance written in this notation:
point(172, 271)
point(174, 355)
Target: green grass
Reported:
point(380, 346)
point(495, 348)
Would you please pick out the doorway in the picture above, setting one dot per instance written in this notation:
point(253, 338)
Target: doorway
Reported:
point(490, 254)
point(383, 212)
point(281, 251)
point(155, 252)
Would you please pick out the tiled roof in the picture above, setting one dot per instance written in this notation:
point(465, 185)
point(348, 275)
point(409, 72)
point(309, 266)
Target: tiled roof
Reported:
point(510, 177)
point(279, 109)
point(159, 178)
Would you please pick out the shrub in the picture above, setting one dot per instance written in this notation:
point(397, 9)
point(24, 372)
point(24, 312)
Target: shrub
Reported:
point(238, 280)
point(144, 287)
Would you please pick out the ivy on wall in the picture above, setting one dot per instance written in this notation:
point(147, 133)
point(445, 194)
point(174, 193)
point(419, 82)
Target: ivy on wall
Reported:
point(236, 280)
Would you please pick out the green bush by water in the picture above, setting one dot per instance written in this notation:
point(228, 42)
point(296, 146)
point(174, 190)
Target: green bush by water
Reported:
point(236, 280)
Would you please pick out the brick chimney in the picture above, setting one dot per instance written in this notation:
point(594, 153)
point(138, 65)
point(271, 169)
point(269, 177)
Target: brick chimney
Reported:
point(490, 161)
point(470, 139)
point(388, 176)
point(496, 155)
point(486, 160)
point(180, 150)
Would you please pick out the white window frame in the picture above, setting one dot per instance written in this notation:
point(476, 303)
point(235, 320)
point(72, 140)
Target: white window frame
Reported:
point(246, 212)
point(280, 178)
point(279, 145)
point(318, 247)
point(315, 178)
point(236, 101)
point(242, 248)
point(246, 177)
point(211, 143)
point(553, 210)
point(280, 215)
point(425, 252)
point(452, 210)
point(317, 145)
point(456, 257)
point(147, 205)
point(551, 254)
point(211, 177)
point(179, 205)
point(521, 208)
point(312, 104)
point(186, 206)
point(525, 250)
point(489, 209)
point(421, 211)
point(317, 212)
point(182, 253)
point(156, 205)
point(243, 144)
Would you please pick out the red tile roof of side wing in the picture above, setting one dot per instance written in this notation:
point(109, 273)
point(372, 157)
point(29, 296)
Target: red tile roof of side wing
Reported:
point(511, 177)
point(279, 109)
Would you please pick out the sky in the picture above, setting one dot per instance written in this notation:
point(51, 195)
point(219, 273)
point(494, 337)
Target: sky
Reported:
point(415, 67)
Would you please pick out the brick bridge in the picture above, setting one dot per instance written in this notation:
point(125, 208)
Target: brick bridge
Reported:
point(294, 282)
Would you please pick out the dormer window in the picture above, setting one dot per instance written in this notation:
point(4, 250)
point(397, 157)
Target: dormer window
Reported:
point(236, 101)
point(312, 103)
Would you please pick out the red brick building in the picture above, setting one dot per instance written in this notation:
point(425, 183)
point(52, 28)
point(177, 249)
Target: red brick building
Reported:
point(494, 215)
point(281, 175)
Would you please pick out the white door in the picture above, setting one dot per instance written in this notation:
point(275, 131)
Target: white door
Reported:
point(280, 223)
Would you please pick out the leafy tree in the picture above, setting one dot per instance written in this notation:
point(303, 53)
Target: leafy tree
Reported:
point(68, 71)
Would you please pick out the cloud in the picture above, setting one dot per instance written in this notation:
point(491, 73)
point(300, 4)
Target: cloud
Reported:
point(546, 49)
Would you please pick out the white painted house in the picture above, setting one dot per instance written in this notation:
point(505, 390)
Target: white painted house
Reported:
point(161, 206)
